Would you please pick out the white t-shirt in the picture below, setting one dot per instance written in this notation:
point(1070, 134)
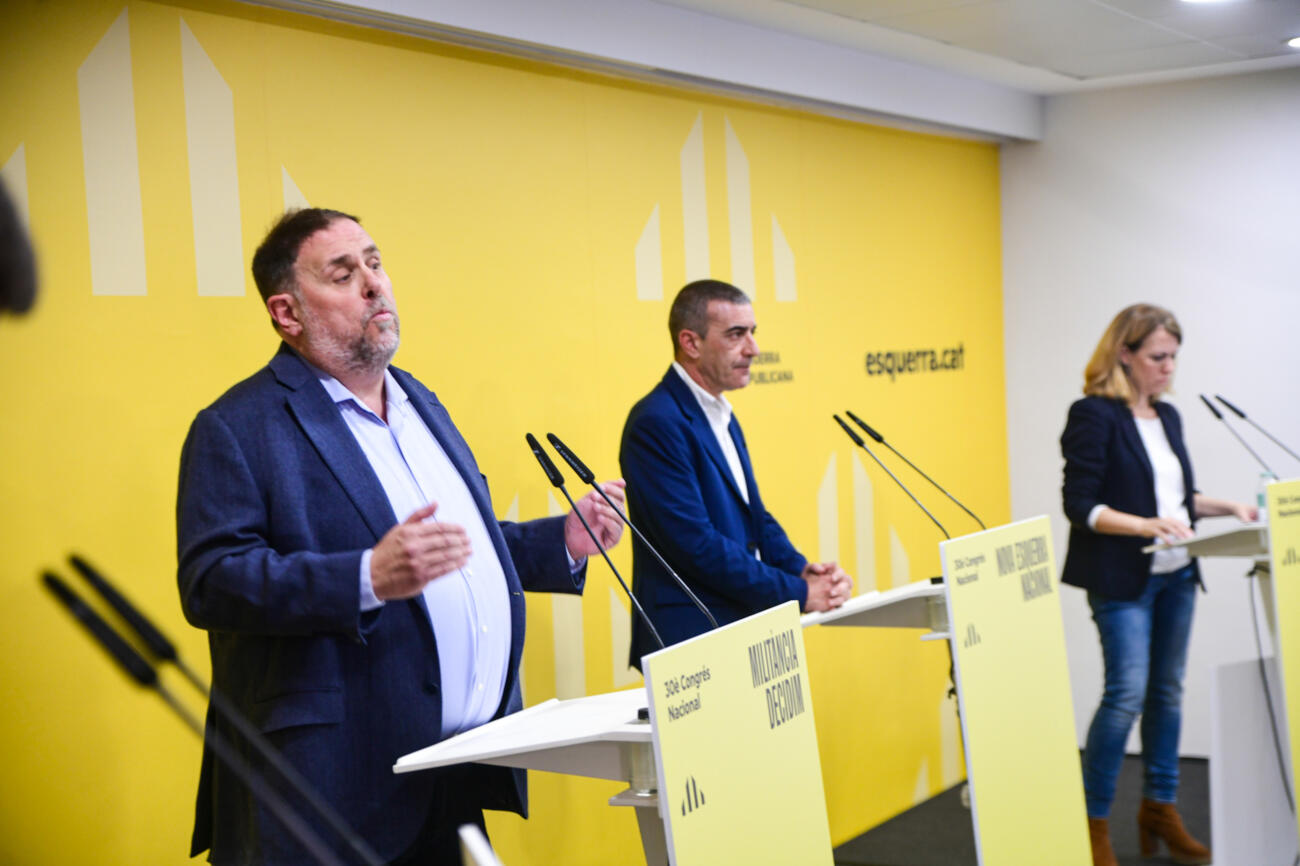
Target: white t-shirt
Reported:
point(1171, 493)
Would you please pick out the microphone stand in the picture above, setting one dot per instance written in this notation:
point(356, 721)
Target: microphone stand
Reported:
point(857, 440)
point(881, 439)
point(557, 480)
point(144, 674)
point(1232, 430)
point(1242, 415)
point(586, 476)
point(165, 650)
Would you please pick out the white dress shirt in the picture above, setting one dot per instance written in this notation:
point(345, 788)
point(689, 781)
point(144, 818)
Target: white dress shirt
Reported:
point(718, 412)
point(469, 609)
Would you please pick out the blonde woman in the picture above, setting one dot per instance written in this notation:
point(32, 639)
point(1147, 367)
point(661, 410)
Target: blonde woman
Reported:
point(1128, 479)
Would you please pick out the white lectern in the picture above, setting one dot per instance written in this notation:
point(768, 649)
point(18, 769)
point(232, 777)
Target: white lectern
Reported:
point(728, 721)
point(916, 605)
point(997, 607)
point(599, 737)
point(1249, 815)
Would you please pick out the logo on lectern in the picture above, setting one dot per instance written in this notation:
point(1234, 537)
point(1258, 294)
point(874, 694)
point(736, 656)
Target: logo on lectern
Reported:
point(1290, 558)
point(694, 798)
point(972, 637)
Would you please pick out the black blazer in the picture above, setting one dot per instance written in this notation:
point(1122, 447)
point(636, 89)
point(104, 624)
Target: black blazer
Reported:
point(1106, 463)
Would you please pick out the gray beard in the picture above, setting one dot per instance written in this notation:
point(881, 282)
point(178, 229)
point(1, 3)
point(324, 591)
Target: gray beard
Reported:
point(372, 355)
point(365, 355)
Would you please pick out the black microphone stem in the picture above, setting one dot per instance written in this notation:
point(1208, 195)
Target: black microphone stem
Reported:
point(155, 640)
point(165, 650)
point(144, 674)
point(1273, 438)
point(274, 802)
point(1252, 423)
point(301, 786)
point(646, 544)
point(1233, 431)
point(601, 548)
point(557, 480)
point(858, 441)
point(581, 470)
point(899, 454)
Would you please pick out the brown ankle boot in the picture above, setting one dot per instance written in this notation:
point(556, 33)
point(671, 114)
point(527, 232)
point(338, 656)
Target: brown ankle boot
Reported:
point(1099, 836)
point(1157, 821)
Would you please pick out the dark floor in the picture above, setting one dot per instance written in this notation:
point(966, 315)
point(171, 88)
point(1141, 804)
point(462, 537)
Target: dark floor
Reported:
point(938, 832)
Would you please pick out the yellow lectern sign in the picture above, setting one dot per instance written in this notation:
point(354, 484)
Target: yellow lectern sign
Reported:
point(1008, 643)
point(740, 780)
point(1284, 561)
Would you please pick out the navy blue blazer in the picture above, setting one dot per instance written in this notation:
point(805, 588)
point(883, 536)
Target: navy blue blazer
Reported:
point(682, 495)
point(277, 503)
point(1106, 463)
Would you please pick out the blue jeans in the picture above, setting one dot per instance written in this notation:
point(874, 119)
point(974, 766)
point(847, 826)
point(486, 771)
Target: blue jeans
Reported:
point(1144, 646)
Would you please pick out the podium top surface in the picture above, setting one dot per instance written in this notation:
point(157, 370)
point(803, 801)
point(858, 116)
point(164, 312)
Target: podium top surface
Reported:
point(523, 738)
point(1237, 539)
point(902, 607)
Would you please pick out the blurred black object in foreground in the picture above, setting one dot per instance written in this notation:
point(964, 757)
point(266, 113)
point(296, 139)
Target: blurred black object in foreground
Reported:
point(17, 261)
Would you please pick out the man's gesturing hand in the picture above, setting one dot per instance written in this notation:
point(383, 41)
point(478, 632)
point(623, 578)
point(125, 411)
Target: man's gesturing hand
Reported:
point(600, 517)
point(828, 586)
point(414, 552)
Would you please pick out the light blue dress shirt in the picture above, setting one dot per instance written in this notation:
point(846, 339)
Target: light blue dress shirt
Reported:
point(469, 608)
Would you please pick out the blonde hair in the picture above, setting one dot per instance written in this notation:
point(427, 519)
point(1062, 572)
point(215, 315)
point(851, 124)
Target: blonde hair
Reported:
point(1105, 375)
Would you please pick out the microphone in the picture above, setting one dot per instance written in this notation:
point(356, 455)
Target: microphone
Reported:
point(553, 475)
point(881, 439)
point(143, 673)
point(130, 661)
point(1232, 430)
point(585, 475)
point(162, 648)
point(165, 650)
point(580, 469)
point(1242, 415)
point(857, 440)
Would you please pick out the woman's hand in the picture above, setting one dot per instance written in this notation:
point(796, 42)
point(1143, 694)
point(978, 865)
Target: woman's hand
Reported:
point(1209, 507)
point(1245, 513)
point(1166, 529)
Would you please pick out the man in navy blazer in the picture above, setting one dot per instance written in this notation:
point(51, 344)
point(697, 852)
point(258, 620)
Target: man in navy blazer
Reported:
point(691, 487)
point(337, 541)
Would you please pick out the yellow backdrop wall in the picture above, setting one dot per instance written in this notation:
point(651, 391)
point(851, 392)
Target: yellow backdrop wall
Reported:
point(536, 222)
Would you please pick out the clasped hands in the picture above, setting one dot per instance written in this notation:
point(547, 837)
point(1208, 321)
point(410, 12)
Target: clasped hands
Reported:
point(829, 586)
point(421, 548)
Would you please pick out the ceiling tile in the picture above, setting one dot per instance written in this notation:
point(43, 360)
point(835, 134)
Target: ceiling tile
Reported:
point(874, 10)
point(1257, 45)
point(1183, 55)
point(1016, 40)
point(1213, 22)
point(1033, 32)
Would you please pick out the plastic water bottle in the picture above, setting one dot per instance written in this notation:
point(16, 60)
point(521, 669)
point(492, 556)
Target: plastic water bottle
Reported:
point(1261, 496)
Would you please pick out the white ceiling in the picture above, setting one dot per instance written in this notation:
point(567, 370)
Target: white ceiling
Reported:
point(974, 68)
point(1041, 46)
